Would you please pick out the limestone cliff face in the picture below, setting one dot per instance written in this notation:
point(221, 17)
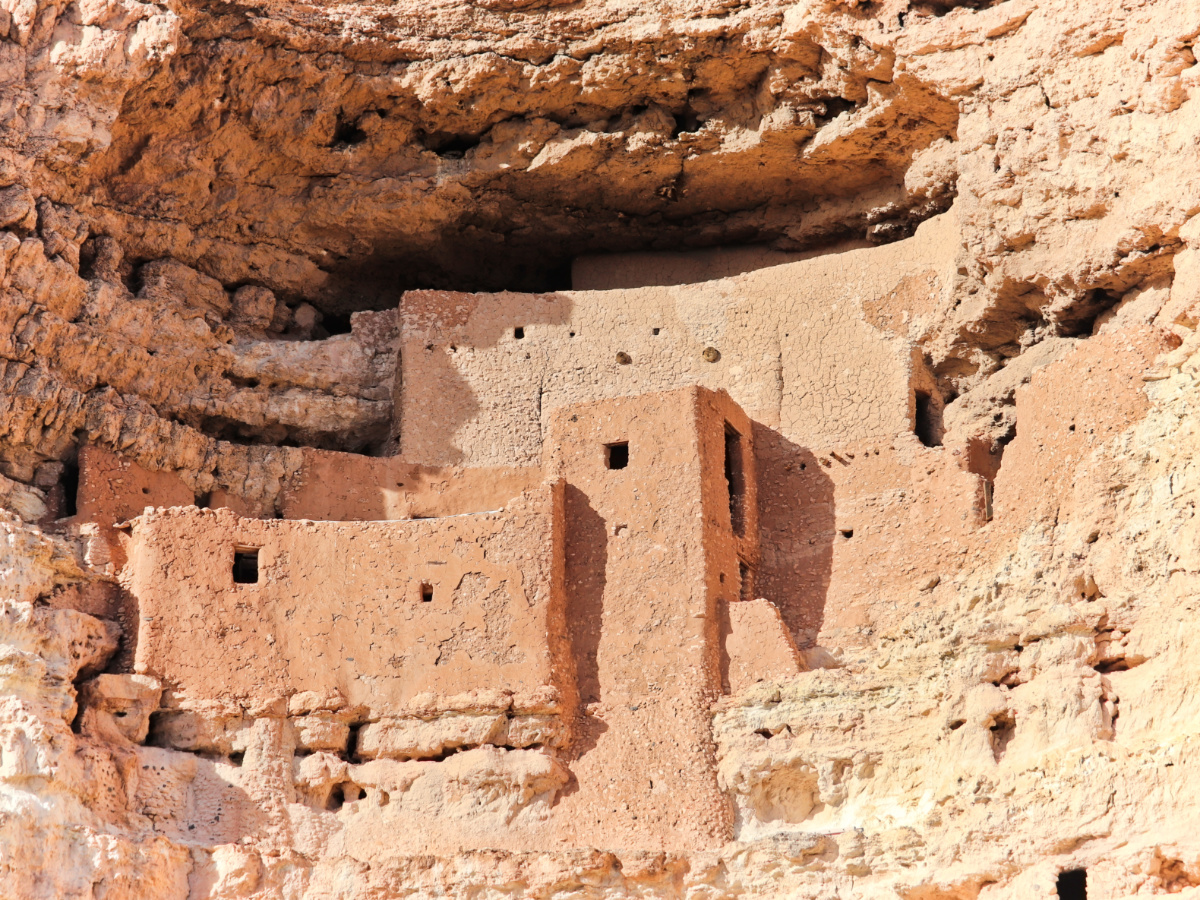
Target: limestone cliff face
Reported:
point(946, 256)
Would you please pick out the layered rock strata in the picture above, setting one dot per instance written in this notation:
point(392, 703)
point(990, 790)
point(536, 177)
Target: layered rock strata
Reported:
point(943, 255)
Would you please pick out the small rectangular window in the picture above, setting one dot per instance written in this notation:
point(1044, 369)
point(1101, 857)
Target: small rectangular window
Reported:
point(519, 333)
point(245, 565)
point(616, 456)
point(427, 593)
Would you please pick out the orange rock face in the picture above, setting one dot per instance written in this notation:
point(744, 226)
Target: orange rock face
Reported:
point(536, 449)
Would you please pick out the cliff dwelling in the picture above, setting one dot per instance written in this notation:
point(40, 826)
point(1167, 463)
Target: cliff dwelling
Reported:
point(538, 449)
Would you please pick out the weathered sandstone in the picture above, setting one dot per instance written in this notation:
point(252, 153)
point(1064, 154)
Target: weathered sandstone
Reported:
point(516, 448)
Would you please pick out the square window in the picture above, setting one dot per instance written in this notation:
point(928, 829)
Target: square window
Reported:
point(616, 456)
point(245, 565)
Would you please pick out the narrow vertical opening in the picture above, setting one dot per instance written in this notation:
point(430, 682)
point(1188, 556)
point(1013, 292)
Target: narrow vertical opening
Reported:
point(352, 741)
point(519, 333)
point(928, 421)
point(616, 456)
point(245, 565)
point(70, 489)
point(426, 593)
point(735, 479)
point(1072, 884)
point(204, 501)
point(984, 456)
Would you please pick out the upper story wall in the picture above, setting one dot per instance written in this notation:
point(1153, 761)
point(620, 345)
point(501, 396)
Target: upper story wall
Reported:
point(327, 486)
point(808, 348)
point(333, 486)
point(378, 611)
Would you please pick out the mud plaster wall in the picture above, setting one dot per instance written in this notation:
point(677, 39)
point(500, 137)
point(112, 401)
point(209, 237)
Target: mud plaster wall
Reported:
point(650, 556)
point(350, 487)
point(644, 563)
point(339, 606)
point(821, 354)
point(794, 349)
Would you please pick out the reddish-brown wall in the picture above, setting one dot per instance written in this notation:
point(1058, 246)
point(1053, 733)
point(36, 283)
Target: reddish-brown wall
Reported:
point(649, 556)
point(338, 606)
point(348, 487)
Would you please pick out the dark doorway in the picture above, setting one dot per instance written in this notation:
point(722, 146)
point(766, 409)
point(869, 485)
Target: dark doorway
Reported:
point(1072, 884)
point(735, 479)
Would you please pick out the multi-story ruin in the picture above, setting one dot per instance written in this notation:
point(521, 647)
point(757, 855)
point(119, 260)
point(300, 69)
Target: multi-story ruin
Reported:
point(608, 597)
point(541, 449)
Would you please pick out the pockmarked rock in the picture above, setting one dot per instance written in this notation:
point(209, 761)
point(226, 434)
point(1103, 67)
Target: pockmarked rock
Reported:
point(538, 449)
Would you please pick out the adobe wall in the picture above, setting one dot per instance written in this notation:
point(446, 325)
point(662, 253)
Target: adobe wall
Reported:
point(651, 555)
point(333, 486)
point(823, 356)
point(338, 608)
point(577, 635)
point(617, 271)
point(796, 351)
point(326, 486)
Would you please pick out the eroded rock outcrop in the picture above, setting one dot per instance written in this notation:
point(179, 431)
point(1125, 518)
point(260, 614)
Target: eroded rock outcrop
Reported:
point(933, 263)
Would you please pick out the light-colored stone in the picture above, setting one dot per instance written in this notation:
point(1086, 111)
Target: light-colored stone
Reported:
point(944, 256)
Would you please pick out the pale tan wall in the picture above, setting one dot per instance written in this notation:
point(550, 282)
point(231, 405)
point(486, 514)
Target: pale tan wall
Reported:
point(819, 353)
point(338, 606)
point(798, 352)
point(334, 486)
point(113, 488)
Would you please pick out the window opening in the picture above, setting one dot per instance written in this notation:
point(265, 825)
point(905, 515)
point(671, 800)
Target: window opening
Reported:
point(426, 593)
point(70, 488)
point(928, 425)
point(338, 323)
point(735, 480)
point(245, 565)
point(1072, 884)
point(519, 333)
point(616, 456)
